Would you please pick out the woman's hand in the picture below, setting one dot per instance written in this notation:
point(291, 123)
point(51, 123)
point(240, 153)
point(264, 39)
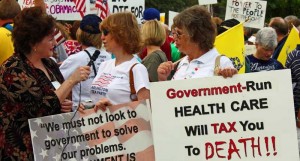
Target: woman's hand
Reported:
point(164, 70)
point(102, 104)
point(66, 106)
point(227, 72)
point(81, 74)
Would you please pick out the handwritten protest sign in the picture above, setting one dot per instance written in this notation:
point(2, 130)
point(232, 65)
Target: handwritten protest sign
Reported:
point(249, 117)
point(123, 132)
point(251, 11)
point(137, 7)
point(60, 9)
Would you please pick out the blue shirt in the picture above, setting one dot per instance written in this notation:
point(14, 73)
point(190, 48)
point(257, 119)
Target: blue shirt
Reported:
point(257, 65)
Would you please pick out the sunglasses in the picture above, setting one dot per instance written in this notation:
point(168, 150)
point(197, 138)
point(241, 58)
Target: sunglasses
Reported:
point(105, 32)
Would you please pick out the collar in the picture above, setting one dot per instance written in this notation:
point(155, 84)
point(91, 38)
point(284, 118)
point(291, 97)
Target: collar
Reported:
point(207, 57)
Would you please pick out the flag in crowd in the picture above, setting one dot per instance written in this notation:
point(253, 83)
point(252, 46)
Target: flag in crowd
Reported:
point(59, 37)
point(102, 5)
point(235, 53)
point(80, 6)
point(289, 45)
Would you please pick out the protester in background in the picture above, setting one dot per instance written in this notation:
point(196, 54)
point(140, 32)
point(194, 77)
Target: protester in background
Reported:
point(89, 36)
point(281, 28)
point(31, 84)
point(289, 20)
point(293, 63)
point(266, 42)
point(121, 36)
point(153, 36)
point(217, 21)
point(71, 45)
point(8, 10)
point(154, 14)
point(195, 35)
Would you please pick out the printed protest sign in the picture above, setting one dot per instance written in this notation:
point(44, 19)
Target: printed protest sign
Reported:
point(60, 9)
point(249, 117)
point(123, 132)
point(252, 12)
point(137, 7)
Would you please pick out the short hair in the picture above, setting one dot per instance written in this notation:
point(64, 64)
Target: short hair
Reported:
point(267, 38)
point(88, 39)
point(290, 18)
point(280, 25)
point(31, 26)
point(153, 33)
point(124, 28)
point(197, 21)
point(9, 9)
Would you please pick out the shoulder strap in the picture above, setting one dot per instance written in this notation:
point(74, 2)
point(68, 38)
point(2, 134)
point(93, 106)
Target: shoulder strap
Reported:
point(8, 26)
point(94, 67)
point(217, 64)
point(133, 96)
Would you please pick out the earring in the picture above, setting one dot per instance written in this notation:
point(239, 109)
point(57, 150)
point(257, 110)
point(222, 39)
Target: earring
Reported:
point(34, 49)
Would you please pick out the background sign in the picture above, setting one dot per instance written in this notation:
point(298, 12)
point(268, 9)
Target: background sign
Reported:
point(205, 2)
point(123, 132)
point(137, 7)
point(249, 117)
point(60, 9)
point(252, 12)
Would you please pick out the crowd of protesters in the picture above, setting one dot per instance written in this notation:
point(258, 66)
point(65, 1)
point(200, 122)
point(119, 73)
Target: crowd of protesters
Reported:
point(129, 57)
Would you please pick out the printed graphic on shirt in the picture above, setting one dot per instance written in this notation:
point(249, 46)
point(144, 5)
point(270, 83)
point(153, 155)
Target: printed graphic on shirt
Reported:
point(100, 86)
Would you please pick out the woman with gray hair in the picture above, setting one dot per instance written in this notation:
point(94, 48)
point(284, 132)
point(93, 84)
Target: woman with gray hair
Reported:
point(194, 34)
point(266, 42)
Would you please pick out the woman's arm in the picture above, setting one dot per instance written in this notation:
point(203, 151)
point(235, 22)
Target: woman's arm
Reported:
point(80, 74)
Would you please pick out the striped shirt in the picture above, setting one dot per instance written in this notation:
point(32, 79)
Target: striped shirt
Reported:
point(293, 63)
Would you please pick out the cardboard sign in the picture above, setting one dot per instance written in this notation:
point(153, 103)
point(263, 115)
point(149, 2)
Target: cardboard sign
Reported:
point(137, 7)
point(122, 132)
point(249, 117)
point(252, 12)
point(60, 9)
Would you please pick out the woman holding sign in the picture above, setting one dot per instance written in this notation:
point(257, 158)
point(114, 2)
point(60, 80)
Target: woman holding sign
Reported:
point(31, 84)
point(194, 35)
point(121, 36)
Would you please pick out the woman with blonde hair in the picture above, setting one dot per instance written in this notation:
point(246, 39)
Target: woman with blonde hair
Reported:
point(153, 36)
point(121, 36)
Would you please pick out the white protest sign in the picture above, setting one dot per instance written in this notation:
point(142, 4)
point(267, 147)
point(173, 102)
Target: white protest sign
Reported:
point(250, 49)
point(60, 9)
point(137, 7)
point(205, 2)
point(251, 11)
point(249, 117)
point(172, 14)
point(123, 132)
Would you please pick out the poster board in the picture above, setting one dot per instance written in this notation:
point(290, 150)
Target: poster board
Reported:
point(249, 117)
point(252, 12)
point(60, 9)
point(121, 132)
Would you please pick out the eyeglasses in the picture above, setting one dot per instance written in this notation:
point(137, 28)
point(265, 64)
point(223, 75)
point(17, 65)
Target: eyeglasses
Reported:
point(105, 32)
point(178, 34)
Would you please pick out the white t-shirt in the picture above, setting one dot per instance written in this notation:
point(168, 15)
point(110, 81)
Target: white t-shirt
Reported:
point(112, 82)
point(82, 59)
point(201, 67)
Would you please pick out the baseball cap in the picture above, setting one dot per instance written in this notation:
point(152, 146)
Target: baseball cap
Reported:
point(90, 24)
point(151, 14)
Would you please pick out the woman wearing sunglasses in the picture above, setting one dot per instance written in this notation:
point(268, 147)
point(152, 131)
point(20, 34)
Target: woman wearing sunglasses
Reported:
point(121, 36)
